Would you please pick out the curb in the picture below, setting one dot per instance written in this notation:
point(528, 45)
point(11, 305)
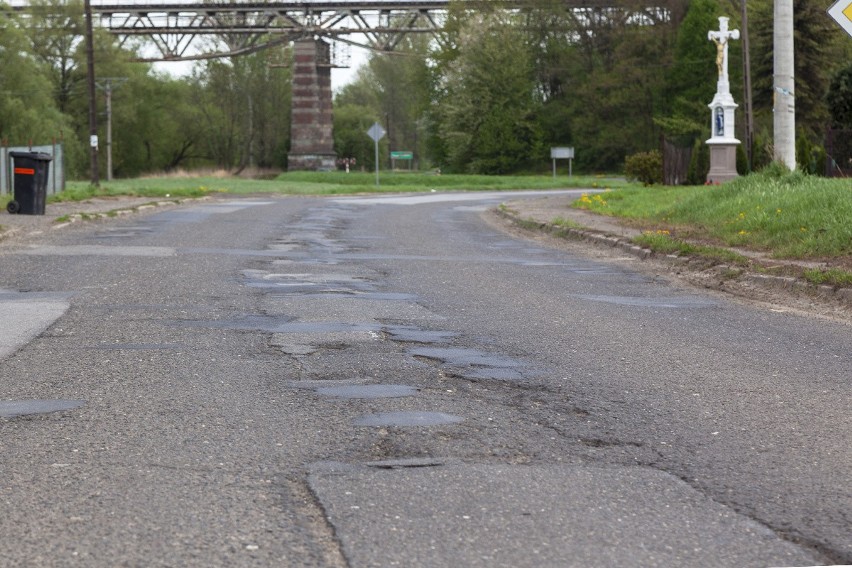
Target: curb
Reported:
point(7, 232)
point(726, 272)
point(83, 216)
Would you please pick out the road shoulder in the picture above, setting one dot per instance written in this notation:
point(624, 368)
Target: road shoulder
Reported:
point(553, 220)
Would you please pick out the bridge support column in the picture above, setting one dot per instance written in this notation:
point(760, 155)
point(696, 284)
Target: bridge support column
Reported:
point(311, 138)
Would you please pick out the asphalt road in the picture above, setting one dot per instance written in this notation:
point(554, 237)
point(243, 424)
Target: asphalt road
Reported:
point(397, 382)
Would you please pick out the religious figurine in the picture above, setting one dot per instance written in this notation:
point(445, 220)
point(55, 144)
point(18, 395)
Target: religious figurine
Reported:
point(721, 38)
point(720, 54)
point(720, 121)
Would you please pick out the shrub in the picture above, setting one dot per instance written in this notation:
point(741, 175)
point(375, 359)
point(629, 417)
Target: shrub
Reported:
point(699, 164)
point(646, 167)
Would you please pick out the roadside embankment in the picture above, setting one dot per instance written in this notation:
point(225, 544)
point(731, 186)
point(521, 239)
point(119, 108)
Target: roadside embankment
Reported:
point(746, 273)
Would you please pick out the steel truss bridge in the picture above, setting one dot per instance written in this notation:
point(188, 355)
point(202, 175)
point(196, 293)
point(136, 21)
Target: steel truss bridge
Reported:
point(239, 27)
point(249, 26)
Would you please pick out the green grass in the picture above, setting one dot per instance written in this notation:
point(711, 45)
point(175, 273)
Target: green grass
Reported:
point(567, 223)
point(328, 183)
point(831, 277)
point(81, 191)
point(792, 215)
point(665, 244)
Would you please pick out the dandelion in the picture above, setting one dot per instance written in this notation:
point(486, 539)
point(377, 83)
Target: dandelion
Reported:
point(777, 211)
point(742, 215)
point(803, 229)
point(743, 232)
point(663, 232)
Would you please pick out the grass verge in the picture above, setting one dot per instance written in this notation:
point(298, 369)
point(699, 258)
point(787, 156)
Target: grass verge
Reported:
point(328, 183)
point(791, 214)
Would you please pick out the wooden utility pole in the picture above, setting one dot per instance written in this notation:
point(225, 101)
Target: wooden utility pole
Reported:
point(90, 74)
point(749, 108)
point(107, 84)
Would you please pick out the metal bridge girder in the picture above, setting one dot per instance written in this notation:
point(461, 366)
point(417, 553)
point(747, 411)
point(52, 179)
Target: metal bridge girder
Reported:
point(172, 27)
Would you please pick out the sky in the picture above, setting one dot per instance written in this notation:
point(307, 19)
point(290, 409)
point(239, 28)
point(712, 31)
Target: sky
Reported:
point(340, 77)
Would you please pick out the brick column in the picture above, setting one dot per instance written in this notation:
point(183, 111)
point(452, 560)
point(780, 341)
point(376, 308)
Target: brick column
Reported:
point(311, 138)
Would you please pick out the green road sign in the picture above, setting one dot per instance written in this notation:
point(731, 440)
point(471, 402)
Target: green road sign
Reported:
point(402, 155)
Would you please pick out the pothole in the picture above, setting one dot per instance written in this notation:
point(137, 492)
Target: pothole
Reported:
point(13, 408)
point(368, 391)
point(637, 301)
point(321, 383)
point(407, 419)
point(297, 350)
point(281, 325)
point(135, 346)
point(459, 356)
point(406, 463)
point(409, 334)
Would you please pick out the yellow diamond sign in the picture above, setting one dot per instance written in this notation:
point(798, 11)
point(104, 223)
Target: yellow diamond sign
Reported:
point(841, 11)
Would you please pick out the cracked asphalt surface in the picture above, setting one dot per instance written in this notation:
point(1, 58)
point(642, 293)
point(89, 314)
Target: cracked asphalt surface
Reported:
point(395, 381)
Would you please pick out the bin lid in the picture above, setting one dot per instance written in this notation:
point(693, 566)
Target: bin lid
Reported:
point(32, 156)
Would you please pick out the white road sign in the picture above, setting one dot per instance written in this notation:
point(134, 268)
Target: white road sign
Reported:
point(841, 11)
point(376, 132)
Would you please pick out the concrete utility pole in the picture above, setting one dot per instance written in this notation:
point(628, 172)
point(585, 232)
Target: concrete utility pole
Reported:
point(784, 107)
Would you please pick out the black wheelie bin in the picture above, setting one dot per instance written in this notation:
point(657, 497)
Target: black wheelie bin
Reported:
point(30, 182)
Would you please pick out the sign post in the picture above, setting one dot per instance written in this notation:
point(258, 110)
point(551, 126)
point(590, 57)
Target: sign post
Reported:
point(562, 154)
point(376, 132)
point(841, 11)
point(403, 155)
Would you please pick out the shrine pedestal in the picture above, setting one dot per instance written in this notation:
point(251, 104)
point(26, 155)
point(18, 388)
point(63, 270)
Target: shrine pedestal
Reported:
point(723, 161)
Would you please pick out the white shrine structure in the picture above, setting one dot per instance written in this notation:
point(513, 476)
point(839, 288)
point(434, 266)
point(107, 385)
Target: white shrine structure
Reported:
point(722, 143)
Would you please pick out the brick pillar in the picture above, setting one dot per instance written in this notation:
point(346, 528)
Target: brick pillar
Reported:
point(311, 139)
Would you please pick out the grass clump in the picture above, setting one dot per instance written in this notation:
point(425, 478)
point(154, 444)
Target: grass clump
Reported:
point(792, 214)
point(831, 277)
point(567, 223)
point(662, 243)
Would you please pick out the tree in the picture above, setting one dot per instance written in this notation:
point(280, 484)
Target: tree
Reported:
point(244, 106)
point(692, 76)
point(351, 123)
point(839, 98)
point(600, 74)
point(401, 82)
point(58, 45)
point(487, 115)
point(28, 112)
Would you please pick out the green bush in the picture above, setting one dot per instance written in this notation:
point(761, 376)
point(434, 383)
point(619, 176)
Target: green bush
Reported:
point(646, 167)
point(809, 155)
point(699, 164)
